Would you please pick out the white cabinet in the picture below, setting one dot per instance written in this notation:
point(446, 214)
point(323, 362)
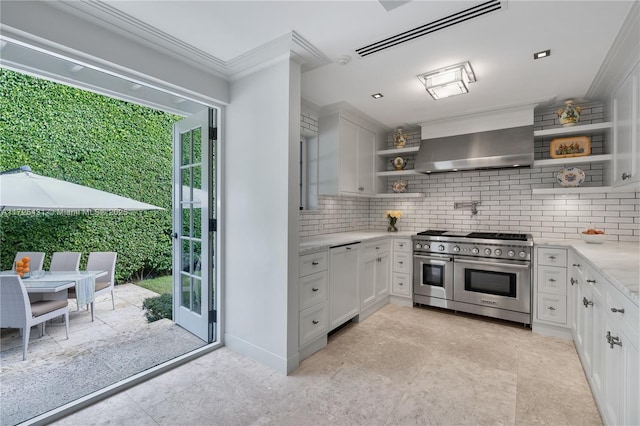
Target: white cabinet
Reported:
point(344, 300)
point(374, 272)
point(550, 301)
point(402, 270)
point(346, 157)
point(626, 132)
point(313, 307)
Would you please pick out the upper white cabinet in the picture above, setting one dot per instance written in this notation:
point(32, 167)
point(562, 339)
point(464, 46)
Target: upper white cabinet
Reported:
point(626, 133)
point(346, 157)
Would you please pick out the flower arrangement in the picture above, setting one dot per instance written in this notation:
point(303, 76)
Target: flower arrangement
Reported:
point(393, 216)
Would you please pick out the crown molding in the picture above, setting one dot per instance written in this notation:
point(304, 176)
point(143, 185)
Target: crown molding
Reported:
point(105, 15)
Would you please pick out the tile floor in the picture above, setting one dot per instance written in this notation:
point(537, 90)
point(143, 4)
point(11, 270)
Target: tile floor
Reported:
point(402, 366)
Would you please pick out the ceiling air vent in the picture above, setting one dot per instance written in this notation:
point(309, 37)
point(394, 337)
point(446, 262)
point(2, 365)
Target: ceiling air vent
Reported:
point(439, 24)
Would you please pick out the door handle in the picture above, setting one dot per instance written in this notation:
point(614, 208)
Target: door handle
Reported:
point(572, 281)
point(586, 302)
point(505, 265)
point(617, 310)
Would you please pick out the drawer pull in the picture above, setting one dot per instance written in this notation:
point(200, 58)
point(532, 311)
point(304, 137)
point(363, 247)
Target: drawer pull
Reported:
point(552, 258)
point(572, 281)
point(577, 265)
point(377, 248)
point(591, 281)
point(617, 310)
point(551, 308)
point(401, 245)
point(348, 248)
point(401, 262)
point(625, 176)
point(400, 283)
point(314, 263)
point(586, 302)
point(315, 322)
point(315, 289)
point(552, 280)
point(613, 340)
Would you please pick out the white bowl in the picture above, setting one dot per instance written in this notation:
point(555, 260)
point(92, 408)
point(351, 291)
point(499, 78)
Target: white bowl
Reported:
point(594, 238)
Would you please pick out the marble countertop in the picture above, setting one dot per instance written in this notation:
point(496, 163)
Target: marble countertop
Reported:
point(619, 262)
point(321, 242)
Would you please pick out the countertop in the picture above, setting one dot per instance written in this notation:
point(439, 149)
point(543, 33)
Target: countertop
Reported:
point(619, 262)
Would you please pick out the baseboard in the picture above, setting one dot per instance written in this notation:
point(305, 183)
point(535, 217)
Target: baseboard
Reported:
point(402, 301)
point(278, 363)
point(313, 347)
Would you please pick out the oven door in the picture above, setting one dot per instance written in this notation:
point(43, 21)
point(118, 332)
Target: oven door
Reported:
point(494, 283)
point(433, 276)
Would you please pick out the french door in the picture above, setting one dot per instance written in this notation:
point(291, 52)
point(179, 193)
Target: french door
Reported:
point(194, 223)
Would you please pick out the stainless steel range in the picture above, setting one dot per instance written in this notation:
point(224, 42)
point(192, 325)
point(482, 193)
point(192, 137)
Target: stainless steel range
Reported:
point(483, 273)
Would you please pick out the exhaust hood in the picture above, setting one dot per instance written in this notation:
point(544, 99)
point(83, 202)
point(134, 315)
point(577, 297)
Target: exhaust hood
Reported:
point(504, 148)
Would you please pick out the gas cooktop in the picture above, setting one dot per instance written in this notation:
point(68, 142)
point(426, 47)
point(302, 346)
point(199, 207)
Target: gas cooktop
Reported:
point(480, 235)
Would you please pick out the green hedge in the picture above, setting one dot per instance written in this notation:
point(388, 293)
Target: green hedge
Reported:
point(89, 139)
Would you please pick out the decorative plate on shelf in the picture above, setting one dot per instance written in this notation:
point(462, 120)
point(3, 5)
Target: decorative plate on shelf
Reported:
point(399, 163)
point(570, 177)
point(400, 186)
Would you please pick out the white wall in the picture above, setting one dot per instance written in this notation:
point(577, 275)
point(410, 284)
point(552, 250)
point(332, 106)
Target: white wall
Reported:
point(261, 211)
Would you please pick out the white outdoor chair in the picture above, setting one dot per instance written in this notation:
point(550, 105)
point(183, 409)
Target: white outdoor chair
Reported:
point(37, 259)
point(65, 261)
point(101, 261)
point(18, 312)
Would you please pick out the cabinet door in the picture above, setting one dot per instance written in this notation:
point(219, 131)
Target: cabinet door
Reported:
point(366, 161)
point(383, 269)
point(630, 381)
point(585, 327)
point(348, 156)
point(368, 282)
point(552, 280)
point(552, 308)
point(344, 301)
point(625, 128)
point(597, 346)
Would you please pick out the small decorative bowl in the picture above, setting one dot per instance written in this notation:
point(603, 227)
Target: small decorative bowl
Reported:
point(594, 238)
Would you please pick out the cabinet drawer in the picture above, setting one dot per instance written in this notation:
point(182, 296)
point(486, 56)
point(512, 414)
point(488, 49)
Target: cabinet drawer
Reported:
point(552, 256)
point(313, 289)
point(402, 262)
point(402, 245)
point(552, 280)
point(552, 308)
point(614, 300)
point(313, 262)
point(313, 323)
point(375, 248)
point(401, 284)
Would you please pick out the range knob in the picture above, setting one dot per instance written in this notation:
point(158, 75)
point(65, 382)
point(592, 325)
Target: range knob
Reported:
point(487, 251)
point(418, 246)
point(497, 252)
point(475, 250)
point(456, 249)
point(511, 253)
point(441, 247)
point(522, 254)
point(426, 246)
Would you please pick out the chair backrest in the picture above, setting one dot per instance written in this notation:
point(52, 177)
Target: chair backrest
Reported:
point(37, 259)
point(14, 302)
point(103, 261)
point(65, 261)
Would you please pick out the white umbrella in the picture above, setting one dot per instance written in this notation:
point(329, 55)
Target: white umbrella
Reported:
point(20, 189)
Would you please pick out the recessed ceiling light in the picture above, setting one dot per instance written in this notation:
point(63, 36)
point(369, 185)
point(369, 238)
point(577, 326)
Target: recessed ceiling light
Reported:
point(377, 96)
point(543, 54)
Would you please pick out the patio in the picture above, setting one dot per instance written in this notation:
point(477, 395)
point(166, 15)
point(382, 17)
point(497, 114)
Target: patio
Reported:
point(117, 345)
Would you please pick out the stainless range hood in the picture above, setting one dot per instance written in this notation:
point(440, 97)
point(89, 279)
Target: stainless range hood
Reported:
point(502, 148)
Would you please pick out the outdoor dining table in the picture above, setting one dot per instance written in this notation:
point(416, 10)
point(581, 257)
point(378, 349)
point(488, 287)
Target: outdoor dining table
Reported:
point(56, 284)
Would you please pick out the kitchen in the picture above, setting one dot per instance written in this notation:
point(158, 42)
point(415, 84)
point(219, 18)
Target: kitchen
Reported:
point(518, 200)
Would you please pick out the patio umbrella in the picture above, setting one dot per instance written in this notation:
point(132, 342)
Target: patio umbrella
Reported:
point(21, 189)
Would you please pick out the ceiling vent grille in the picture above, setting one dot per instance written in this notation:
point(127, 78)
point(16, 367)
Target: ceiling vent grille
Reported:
point(439, 24)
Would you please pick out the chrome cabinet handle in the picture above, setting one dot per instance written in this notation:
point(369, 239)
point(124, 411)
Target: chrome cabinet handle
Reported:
point(315, 289)
point(613, 340)
point(617, 310)
point(552, 280)
point(591, 281)
point(586, 302)
point(551, 308)
point(361, 188)
point(314, 322)
point(552, 257)
point(400, 283)
point(377, 248)
point(401, 262)
point(314, 263)
point(626, 176)
point(347, 248)
point(401, 245)
point(577, 265)
point(572, 281)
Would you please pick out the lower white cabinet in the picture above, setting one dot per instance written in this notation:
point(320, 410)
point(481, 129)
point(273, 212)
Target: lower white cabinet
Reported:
point(375, 267)
point(344, 300)
point(402, 268)
point(550, 302)
point(313, 290)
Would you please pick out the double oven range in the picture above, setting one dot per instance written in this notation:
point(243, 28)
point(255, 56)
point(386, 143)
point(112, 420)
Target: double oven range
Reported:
point(483, 273)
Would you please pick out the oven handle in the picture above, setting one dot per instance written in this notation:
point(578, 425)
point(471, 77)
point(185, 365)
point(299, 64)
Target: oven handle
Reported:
point(506, 265)
point(441, 259)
